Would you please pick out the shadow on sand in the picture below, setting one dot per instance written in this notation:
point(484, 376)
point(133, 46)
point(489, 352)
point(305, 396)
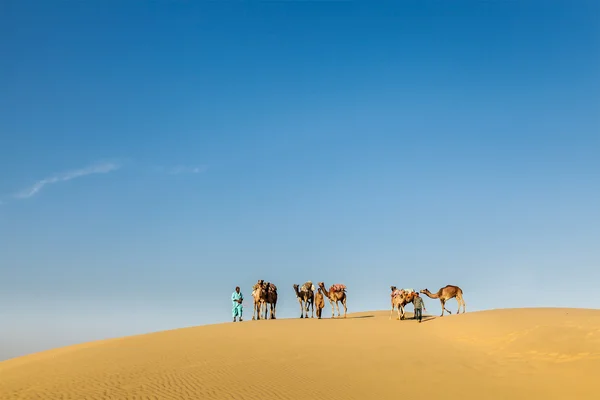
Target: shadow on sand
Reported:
point(354, 317)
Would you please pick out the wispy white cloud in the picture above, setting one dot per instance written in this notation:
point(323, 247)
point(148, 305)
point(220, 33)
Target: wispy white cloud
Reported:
point(67, 176)
point(182, 169)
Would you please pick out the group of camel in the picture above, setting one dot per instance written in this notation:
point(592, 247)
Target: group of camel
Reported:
point(264, 295)
point(402, 297)
point(309, 299)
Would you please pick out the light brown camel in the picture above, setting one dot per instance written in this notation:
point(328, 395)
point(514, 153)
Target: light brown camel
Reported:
point(259, 298)
point(446, 293)
point(335, 297)
point(306, 298)
point(319, 302)
point(270, 300)
point(400, 299)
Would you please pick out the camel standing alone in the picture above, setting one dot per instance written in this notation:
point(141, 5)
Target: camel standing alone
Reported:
point(446, 293)
point(306, 298)
point(335, 297)
point(400, 298)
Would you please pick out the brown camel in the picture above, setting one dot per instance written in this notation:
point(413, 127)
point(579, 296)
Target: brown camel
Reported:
point(259, 296)
point(400, 299)
point(270, 300)
point(306, 298)
point(319, 302)
point(446, 293)
point(335, 296)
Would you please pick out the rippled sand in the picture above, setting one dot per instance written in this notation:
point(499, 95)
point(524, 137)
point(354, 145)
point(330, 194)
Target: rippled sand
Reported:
point(500, 354)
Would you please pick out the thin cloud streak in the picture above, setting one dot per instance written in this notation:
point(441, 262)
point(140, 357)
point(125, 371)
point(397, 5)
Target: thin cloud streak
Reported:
point(182, 169)
point(67, 176)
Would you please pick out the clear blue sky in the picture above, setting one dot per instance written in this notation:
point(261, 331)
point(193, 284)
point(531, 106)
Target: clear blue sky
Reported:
point(154, 156)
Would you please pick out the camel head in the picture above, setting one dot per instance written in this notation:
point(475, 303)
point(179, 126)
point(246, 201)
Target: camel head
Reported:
point(321, 284)
point(393, 288)
point(424, 291)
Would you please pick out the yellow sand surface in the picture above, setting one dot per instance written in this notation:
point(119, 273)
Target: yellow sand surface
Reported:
point(500, 354)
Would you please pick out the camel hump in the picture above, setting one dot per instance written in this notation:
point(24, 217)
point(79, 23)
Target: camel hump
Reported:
point(271, 287)
point(409, 290)
point(308, 285)
point(397, 292)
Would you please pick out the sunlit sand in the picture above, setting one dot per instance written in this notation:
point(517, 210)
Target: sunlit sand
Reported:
point(500, 354)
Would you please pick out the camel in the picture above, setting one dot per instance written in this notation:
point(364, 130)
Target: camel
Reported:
point(319, 303)
point(335, 297)
point(400, 299)
point(259, 296)
point(306, 298)
point(446, 293)
point(270, 300)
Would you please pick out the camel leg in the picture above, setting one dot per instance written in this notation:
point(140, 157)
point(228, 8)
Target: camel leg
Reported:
point(444, 307)
point(337, 306)
point(301, 312)
point(449, 312)
point(461, 302)
point(345, 308)
point(332, 308)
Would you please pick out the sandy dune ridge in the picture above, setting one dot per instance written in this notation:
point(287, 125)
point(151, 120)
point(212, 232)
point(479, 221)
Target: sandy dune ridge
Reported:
point(540, 353)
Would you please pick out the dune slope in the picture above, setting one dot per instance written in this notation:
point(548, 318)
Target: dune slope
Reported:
point(500, 354)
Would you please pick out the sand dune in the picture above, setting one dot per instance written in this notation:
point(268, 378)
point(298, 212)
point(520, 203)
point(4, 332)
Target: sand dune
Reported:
point(500, 354)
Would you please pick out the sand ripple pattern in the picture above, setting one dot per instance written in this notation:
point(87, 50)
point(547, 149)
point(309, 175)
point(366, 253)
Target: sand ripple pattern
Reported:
point(517, 354)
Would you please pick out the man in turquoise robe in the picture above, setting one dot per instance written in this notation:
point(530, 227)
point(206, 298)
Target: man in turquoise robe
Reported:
point(237, 298)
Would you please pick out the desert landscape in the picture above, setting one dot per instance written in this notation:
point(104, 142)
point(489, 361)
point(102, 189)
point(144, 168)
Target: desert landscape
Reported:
point(528, 353)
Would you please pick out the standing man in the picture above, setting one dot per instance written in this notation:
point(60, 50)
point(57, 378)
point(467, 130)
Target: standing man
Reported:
point(319, 303)
point(419, 307)
point(237, 298)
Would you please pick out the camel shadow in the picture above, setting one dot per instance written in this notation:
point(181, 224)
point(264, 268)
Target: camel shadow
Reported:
point(427, 318)
point(354, 317)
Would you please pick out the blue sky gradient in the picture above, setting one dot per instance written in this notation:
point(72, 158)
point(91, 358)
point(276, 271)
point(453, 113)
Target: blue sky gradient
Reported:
point(155, 156)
